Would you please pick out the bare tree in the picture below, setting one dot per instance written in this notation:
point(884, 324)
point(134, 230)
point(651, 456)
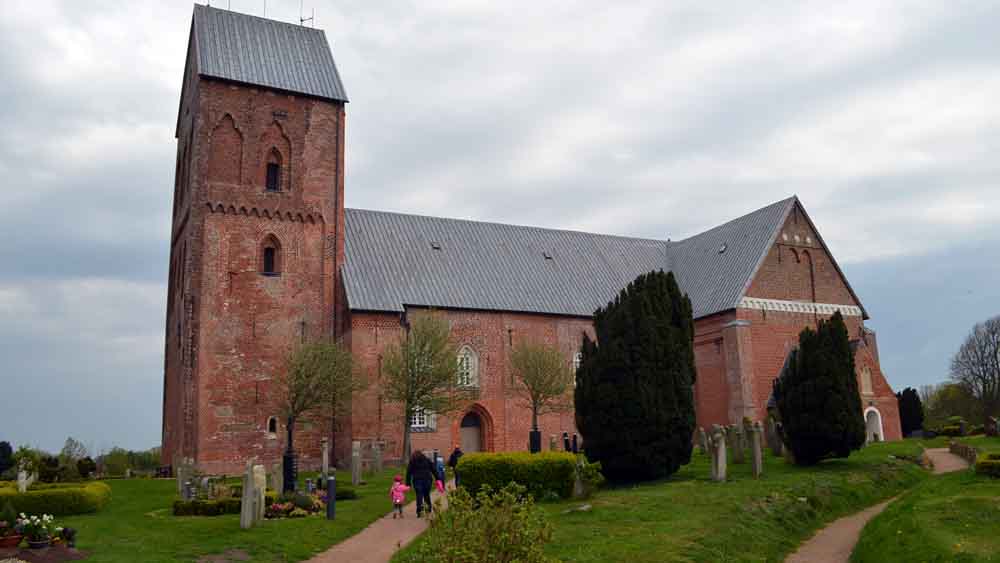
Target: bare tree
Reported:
point(976, 365)
point(420, 372)
point(319, 375)
point(543, 379)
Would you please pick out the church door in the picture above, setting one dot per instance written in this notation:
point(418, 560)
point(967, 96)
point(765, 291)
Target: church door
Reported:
point(471, 430)
point(873, 426)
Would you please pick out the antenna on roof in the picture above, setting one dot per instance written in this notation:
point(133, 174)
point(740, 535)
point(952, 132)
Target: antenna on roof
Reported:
point(311, 19)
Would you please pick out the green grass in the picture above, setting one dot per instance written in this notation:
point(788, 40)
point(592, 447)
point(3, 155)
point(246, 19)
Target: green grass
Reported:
point(953, 517)
point(690, 518)
point(137, 525)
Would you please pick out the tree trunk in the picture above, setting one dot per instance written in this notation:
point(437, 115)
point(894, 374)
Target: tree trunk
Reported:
point(534, 417)
point(406, 441)
point(290, 429)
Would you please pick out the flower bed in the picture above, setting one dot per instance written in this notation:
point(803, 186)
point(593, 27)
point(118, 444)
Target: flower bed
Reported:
point(58, 499)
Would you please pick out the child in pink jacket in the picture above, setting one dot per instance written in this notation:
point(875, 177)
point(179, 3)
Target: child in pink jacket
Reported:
point(398, 495)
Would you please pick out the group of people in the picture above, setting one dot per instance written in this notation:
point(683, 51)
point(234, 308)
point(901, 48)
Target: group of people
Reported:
point(422, 474)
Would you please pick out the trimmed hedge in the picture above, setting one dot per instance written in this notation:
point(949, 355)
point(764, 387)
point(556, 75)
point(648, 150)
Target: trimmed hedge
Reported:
point(988, 464)
point(538, 473)
point(202, 507)
point(58, 499)
point(952, 430)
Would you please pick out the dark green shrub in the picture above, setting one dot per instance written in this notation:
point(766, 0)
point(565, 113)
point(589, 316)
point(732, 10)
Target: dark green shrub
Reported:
point(346, 493)
point(988, 464)
point(977, 429)
point(911, 410)
point(218, 507)
point(590, 476)
point(8, 515)
point(537, 473)
point(59, 499)
point(6, 457)
point(86, 467)
point(817, 395)
point(634, 399)
point(492, 526)
point(951, 430)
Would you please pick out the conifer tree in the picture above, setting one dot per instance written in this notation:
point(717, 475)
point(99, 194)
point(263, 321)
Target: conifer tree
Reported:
point(911, 410)
point(817, 395)
point(634, 397)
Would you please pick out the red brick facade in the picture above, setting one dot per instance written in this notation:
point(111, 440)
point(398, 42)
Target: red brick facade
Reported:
point(230, 323)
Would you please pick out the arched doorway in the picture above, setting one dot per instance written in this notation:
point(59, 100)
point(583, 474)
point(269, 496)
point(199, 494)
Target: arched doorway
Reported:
point(873, 425)
point(471, 432)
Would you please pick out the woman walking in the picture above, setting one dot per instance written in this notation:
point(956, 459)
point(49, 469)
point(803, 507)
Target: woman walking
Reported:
point(420, 474)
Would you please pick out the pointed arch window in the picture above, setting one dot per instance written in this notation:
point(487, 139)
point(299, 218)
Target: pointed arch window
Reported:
point(270, 256)
point(468, 367)
point(272, 181)
point(866, 381)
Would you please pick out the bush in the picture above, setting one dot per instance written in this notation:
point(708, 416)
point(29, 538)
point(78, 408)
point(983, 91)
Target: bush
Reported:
point(60, 499)
point(537, 473)
point(988, 464)
point(590, 476)
point(634, 399)
point(218, 507)
point(977, 430)
point(817, 395)
point(951, 430)
point(86, 467)
point(500, 526)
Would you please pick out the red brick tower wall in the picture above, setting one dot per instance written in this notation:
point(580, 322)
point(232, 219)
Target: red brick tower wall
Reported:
point(231, 324)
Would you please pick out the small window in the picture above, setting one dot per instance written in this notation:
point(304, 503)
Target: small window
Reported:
point(270, 258)
point(273, 177)
point(272, 425)
point(866, 381)
point(468, 368)
point(419, 418)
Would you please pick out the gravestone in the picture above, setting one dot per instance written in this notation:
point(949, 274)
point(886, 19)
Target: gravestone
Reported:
point(355, 462)
point(277, 478)
point(377, 451)
point(735, 439)
point(702, 441)
point(24, 480)
point(773, 437)
point(553, 443)
point(326, 457)
point(757, 449)
point(248, 511)
point(718, 449)
point(992, 426)
point(259, 488)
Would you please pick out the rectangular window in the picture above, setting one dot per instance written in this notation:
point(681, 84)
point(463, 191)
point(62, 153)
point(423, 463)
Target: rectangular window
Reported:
point(269, 261)
point(273, 177)
point(419, 418)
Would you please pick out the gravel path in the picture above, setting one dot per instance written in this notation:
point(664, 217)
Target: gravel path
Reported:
point(834, 543)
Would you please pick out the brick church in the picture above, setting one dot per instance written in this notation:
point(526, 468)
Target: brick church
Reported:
point(263, 254)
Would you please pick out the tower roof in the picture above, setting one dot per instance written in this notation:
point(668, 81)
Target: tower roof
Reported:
point(262, 52)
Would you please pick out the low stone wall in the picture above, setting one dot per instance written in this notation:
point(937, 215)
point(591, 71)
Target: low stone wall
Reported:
point(964, 451)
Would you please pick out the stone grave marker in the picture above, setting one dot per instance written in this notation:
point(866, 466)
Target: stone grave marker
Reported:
point(718, 448)
point(377, 452)
point(702, 441)
point(757, 449)
point(247, 509)
point(553, 443)
point(277, 478)
point(259, 489)
point(773, 438)
point(355, 462)
point(735, 439)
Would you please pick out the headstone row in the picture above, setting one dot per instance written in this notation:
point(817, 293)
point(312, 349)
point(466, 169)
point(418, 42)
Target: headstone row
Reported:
point(739, 439)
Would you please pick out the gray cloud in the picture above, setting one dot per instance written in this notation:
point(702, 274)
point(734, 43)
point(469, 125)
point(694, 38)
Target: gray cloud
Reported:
point(653, 119)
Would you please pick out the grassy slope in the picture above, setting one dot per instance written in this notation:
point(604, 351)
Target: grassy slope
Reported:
point(690, 518)
point(137, 526)
point(954, 517)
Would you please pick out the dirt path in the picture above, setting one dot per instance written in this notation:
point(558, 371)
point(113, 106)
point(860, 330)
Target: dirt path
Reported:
point(381, 540)
point(834, 543)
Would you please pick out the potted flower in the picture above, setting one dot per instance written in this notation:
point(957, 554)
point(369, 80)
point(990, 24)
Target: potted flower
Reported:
point(37, 529)
point(10, 530)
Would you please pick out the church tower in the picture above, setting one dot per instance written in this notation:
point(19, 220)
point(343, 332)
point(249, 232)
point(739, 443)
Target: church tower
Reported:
point(257, 237)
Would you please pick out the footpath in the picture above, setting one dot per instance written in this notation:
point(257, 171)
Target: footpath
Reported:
point(836, 541)
point(381, 539)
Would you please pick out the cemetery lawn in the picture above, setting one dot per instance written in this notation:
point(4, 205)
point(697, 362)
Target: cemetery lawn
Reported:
point(687, 517)
point(951, 517)
point(137, 525)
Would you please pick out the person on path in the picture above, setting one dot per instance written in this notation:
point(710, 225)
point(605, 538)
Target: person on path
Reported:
point(453, 462)
point(420, 474)
point(439, 466)
point(398, 495)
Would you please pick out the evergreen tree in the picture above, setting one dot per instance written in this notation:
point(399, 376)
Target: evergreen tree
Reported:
point(6, 456)
point(817, 395)
point(911, 410)
point(634, 397)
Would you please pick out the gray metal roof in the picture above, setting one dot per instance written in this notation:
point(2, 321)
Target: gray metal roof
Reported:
point(716, 281)
point(263, 52)
point(395, 260)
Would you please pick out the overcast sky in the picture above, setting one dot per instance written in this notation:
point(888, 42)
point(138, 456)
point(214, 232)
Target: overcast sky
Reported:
point(642, 120)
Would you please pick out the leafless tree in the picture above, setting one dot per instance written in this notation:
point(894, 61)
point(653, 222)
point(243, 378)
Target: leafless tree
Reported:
point(976, 365)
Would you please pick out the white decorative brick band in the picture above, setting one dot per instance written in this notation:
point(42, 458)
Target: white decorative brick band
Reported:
point(798, 307)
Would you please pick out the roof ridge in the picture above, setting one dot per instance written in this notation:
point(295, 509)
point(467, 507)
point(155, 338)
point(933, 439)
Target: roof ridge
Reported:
point(787, 201)
point(262, 18)
point(497, 223)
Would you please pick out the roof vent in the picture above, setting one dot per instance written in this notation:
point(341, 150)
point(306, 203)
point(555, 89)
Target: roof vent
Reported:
point(435, 245)
point(722, 248)
point(547, 255)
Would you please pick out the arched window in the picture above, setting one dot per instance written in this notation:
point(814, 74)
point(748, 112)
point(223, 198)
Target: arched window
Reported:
point(273, 176)
point(468, 368)
point(866, 381)
point(270, 259)
point(272, 425)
